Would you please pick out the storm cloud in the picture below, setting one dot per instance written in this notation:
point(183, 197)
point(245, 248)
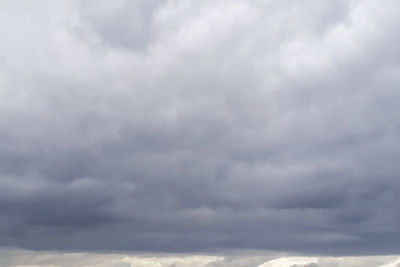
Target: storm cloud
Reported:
point(189, 126)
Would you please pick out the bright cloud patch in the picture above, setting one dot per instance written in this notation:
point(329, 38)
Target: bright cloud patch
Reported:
point(12, 258)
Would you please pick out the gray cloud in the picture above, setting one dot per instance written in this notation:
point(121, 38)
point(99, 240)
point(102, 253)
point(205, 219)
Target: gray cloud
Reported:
point(200, 126)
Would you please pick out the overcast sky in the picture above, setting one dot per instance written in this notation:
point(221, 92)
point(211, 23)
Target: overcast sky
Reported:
point(200, 126)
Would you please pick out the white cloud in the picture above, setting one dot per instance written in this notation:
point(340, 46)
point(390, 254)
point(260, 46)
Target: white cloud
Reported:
point(23, 258)
point(290, 261)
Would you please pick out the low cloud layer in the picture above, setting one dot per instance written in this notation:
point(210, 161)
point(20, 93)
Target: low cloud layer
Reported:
point(200, 125)
point(23, 258)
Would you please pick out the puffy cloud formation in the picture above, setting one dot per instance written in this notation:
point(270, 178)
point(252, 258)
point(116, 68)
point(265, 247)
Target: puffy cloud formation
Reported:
point(21, 258)
point(200, 125)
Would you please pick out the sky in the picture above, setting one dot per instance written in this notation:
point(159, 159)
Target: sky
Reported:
point(183, 126)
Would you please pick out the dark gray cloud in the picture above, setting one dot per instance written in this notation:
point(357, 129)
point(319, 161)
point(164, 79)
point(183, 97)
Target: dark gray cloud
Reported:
point(200, 125)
